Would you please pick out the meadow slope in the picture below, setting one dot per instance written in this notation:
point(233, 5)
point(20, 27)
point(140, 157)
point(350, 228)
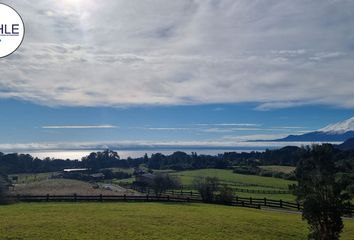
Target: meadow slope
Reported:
point(137, 221)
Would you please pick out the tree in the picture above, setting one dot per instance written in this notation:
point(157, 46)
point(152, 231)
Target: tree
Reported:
point(226, 194)
point(207, 186)
point(98, 160)
point(163, 182)
point(3, 189)
point(322, 192)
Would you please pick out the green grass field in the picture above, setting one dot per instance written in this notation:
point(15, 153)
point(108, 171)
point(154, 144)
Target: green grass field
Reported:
point(228, 176)
point(135, 221)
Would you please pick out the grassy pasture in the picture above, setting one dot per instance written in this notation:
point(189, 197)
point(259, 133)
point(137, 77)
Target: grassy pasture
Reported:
point(62, 187)
point(137, 221)
point(228, 176)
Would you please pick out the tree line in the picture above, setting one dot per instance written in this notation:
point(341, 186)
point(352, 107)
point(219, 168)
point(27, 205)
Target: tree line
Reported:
point(25, 163)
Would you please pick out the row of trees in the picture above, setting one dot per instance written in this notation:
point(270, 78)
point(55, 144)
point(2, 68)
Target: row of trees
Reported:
point(25, 163)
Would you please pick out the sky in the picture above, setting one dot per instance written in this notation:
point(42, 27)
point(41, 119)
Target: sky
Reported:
point(199, 73)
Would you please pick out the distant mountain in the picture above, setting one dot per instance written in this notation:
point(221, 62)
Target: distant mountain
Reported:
point(347, 145)
point(337, 132)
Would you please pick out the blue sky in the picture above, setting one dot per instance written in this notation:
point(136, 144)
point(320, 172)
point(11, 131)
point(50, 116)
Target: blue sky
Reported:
point(26, 125)
point(191, 72)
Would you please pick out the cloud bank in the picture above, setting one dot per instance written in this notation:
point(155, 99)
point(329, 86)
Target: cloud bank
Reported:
point(117, 53)
point(80, 127)
point(221, 144)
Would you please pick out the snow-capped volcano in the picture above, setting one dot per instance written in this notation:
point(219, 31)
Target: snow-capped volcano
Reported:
point(340, 127)
point(337, 132)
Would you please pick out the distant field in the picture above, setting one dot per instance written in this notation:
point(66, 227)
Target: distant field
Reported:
point(228, 176)
point(31, 177)
point(282, 169)
point(138, 221)
point(63, 187)
point(243, 181)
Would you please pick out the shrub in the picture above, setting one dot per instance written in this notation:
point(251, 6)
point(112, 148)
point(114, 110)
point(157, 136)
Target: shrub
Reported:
point(252, 170)
point(207, 186)
point(226, 194)
point(163, 182)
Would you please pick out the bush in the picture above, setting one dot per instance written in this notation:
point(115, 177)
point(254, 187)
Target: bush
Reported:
point(207, 186)
point(163, 182)
point(265, 173)
point(226, 194)
point(278, 175)
point(251, 170)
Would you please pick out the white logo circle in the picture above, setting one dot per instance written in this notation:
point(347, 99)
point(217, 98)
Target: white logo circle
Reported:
point(12, 30)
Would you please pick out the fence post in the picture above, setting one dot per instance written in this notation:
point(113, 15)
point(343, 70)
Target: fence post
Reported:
point(173, 192)
point(125, 197)
point(281, 203)
point(75, 197)
point(47, 198)
point(265, 201)
point(191, 193)
point(250, 200)
point(168, 197)
point(298, 206)
point(101, 198)
point(147, 197)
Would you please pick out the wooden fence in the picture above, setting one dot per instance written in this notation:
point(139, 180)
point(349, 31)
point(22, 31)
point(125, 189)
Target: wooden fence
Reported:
point(259, 202)
point(122, 198)
point(168, 196)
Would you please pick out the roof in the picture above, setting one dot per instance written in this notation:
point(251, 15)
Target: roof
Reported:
point(75, 169)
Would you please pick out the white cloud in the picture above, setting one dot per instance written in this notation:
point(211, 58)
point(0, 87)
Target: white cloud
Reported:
point(80, 126)
point(228, 124)
point(164, 128)
point(225, 130)
point(120, 53)
point(224, 143)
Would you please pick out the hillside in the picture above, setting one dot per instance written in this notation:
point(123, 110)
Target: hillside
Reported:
point(347, 145)
point(138, 221)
